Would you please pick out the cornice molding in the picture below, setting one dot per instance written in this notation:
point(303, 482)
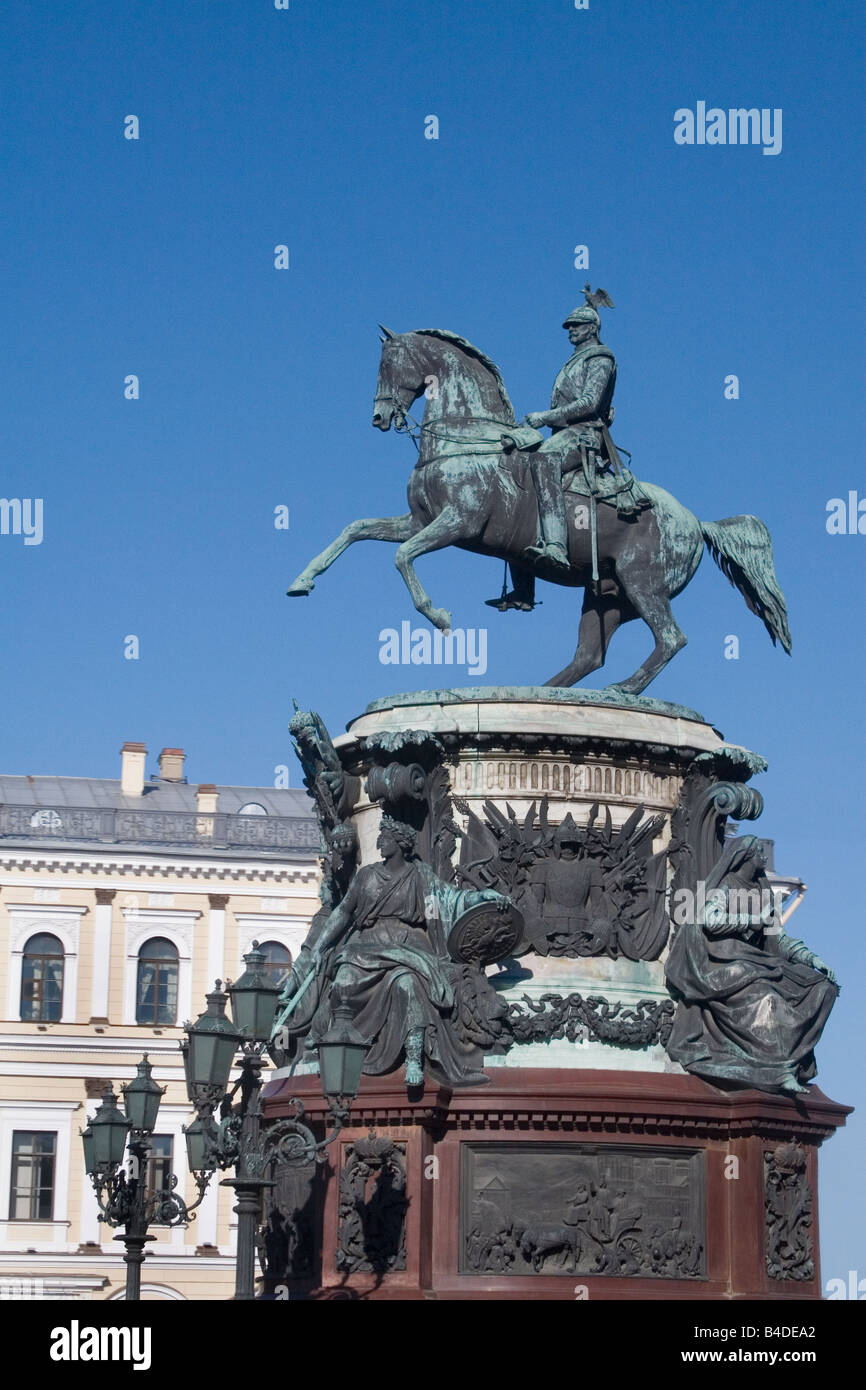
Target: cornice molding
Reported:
point(52, 910)
point(589, 1104)
point(100, 1043)
point(136, 867)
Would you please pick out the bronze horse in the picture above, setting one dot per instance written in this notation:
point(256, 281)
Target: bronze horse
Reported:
point(467, 490)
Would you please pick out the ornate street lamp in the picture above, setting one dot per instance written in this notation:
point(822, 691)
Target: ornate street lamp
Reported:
point(123, 1196)
point(341, 1054)
point(141, 1097)
point(200, 1137)
point(213, 1042)
point(236, 1142)
point(254, 998)
point(108, 1130)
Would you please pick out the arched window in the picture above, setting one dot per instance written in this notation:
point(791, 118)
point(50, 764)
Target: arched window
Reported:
point(156, 990)
point(278, 961)
point(42, 979)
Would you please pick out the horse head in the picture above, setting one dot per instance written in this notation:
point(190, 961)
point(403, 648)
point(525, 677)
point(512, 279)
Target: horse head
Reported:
point(446, 368)
point(401, 380)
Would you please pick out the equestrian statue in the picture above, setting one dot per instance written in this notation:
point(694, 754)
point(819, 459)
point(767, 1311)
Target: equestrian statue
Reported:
point(564, 509)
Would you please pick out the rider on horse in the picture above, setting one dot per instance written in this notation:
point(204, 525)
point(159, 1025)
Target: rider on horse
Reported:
point(580, 414)
point(581, 410)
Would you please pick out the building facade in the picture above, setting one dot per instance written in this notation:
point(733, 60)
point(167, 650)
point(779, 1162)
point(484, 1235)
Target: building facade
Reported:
point(120, 904)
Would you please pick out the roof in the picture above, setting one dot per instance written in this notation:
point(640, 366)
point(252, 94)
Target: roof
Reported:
point(98, 792)
point(79, 812)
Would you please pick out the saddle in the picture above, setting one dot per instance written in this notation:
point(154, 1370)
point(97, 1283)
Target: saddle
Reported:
point(612, 483)
point(621, 490)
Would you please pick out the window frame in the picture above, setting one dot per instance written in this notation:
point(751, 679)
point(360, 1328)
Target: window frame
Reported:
point(15, 1188)
point(268, 966)
point(165, 1162)
point(176, 925)
point(62, 920)
point(160, 965)
point(41, 956)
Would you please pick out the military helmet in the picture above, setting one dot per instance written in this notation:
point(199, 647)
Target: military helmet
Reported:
point(584, 313)
point(567, 832)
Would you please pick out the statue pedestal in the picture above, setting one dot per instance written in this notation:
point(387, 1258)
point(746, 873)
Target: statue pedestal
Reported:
point(592, 1165)
point(573, 751)
point(479, 1194)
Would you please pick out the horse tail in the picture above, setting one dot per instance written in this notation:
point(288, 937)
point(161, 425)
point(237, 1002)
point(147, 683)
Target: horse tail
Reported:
point(742, 549)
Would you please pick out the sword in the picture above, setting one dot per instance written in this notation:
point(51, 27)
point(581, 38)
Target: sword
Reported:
point(293, 1003)
point(593, 514)
point(612, 451)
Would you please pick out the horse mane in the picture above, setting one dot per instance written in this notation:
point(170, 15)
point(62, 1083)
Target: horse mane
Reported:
point(480, 356)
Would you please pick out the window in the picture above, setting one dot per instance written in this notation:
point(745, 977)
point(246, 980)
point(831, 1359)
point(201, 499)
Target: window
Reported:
point(31, 1197)
point(42, 979)
point(156, 989)
point(278, 961)
point(252, 808)
point(160, 1166)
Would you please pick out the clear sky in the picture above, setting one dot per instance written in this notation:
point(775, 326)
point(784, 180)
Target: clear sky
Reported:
point(305, 127)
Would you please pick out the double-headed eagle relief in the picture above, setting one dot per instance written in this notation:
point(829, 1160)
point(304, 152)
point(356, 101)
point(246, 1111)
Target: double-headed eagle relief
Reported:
point(582, 891)
point(561, 508)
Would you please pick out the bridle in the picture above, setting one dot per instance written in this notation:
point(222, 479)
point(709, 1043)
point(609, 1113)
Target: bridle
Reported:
point(405, 423)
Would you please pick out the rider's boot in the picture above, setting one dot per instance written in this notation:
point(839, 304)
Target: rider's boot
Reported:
point(552, 547)
point(521, 597)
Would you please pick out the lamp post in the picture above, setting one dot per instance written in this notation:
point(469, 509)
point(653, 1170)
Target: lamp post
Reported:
point(121, 1189)
point(209, 1052)
point(212, 1042)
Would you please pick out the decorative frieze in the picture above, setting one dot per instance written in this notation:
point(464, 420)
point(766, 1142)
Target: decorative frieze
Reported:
point(371, 1235)
point(582, 1209)
point(560, 777)
point(556, 1016)
point(788, 1206)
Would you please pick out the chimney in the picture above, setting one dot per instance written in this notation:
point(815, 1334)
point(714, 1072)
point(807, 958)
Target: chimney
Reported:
point(132, 758)
point(206, 798)
point(171, 765)
point(206, 804)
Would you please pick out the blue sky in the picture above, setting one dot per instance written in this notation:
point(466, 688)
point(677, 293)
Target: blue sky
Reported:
point(306, 127)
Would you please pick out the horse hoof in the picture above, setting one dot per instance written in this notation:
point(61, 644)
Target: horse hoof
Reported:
point(441, 618)
point(299, 590)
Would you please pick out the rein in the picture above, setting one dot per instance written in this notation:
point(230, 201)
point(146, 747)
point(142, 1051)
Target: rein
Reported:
point(416, 428)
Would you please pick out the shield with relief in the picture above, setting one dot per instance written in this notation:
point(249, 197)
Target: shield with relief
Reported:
point(484, 935)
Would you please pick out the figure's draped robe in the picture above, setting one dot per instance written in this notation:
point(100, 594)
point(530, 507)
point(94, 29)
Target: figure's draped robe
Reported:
point(744, 1013)
point(396, 958)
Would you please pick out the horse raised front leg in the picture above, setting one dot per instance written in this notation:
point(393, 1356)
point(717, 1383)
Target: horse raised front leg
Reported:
point(378, 528)
point(447, 529)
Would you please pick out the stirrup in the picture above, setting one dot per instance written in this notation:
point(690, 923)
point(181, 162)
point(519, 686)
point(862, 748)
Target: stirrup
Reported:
point(506, 601)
